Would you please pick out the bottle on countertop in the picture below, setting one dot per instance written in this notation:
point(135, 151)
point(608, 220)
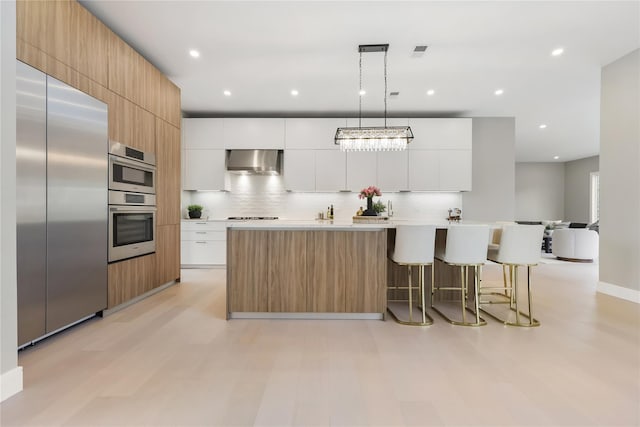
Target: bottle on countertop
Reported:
point(331, 212)
point(328, 212)
point(360, 212)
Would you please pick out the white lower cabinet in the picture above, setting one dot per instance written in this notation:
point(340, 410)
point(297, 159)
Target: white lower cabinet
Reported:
point(203, 243)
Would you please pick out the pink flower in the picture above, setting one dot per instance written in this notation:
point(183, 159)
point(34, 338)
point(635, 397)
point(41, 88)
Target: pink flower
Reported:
point(369, 192)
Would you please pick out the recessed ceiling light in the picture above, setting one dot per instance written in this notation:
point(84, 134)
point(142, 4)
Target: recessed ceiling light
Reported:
point(194, 53)
point(542, 126)
point(227, 93)
point(499, 92)
point(294, 92)
point(431, 92)
point(362, 92)
point(556, 157)
point(557, 52)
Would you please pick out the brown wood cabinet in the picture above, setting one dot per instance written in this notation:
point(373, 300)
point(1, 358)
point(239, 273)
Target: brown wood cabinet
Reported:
point(327, 271)
point(131, 125)
point(168, 253)
point(248, 272)
point(288, 279)
point(131, 278)
point(64, 40)
point(168, 168)
point(315, 271)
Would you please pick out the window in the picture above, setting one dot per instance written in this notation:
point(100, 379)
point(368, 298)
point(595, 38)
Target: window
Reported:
point(594, 214)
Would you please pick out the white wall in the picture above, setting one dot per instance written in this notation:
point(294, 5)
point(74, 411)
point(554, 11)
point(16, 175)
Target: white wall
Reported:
point(11, 378)
point(265, 195)
point(577, 188)
point(539, 191)
point(620, 178)
point(493, 190)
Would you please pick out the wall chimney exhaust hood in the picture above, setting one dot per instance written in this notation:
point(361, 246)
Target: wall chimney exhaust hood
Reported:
point(255, 162)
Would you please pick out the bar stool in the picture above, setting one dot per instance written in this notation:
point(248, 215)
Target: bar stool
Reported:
point(519, 246)
point(466, 246)
point(414, 247)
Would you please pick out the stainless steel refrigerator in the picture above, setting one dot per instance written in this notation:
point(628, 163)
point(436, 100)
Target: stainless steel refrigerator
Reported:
point(61, 204)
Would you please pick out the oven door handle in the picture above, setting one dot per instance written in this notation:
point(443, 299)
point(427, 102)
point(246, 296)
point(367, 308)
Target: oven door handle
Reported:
point(132, 209)
point(132, 163)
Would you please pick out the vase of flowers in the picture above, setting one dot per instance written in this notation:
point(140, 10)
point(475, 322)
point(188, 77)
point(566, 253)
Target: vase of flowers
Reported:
point(368, 193)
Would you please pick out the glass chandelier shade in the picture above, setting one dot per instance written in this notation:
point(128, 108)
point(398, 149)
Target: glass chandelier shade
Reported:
point(393, 138)
point(386, 138)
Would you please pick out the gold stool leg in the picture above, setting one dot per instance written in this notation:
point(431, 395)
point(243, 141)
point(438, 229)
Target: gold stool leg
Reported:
point(426, 319)
point(463, 291)
point(410, 295)
point(476, 283)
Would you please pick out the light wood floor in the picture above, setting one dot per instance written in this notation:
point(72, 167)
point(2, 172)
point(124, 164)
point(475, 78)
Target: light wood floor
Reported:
point(172, 359)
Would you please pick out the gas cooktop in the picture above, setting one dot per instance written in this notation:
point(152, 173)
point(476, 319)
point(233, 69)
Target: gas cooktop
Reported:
point(251, 218)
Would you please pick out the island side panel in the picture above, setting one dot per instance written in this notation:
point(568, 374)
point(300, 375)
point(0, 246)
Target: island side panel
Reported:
point(287, 260)
point(366, 255)
point(327, 274)
point(247, 270)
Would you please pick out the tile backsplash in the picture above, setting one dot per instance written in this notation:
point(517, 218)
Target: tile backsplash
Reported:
point(251, 195)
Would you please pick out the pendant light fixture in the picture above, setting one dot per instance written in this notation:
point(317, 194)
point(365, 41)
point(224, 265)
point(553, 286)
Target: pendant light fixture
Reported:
point(373, 138)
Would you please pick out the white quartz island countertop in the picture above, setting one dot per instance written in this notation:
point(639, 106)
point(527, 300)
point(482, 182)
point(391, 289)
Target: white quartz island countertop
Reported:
point(337, 224)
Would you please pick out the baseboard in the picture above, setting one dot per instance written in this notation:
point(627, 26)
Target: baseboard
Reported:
point(10, 383)
point(619, 292)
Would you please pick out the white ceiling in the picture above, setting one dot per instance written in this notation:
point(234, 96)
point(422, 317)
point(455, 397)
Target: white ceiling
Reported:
point(260, 51)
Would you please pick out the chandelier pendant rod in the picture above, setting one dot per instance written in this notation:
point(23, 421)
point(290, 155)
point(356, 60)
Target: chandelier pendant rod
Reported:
point(385, 89)
point(360, 95)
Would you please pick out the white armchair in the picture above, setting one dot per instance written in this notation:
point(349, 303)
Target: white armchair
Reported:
point(575, 244)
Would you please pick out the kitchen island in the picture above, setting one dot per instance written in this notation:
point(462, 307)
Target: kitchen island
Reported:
point(303, 269)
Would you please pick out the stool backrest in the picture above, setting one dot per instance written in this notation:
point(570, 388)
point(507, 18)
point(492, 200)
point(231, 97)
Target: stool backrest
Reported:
point(414, 244)
point(520, 244)
point(466, 244)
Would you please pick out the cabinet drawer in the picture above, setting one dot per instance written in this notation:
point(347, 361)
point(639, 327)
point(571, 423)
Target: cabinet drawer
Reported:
point(203, 226)
point(203, 252)
point(204, 235)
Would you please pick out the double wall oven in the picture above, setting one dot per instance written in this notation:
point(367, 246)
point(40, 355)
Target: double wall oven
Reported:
point(132, 202)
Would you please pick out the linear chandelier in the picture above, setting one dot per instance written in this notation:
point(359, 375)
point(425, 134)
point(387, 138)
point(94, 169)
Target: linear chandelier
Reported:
point(373, 138)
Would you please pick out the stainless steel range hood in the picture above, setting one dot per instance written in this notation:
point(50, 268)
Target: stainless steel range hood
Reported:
point(255, 162)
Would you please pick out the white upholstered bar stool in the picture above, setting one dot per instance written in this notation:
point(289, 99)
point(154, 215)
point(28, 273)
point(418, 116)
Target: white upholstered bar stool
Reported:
point(519, 246)
point(414, 247)
point(466, 246)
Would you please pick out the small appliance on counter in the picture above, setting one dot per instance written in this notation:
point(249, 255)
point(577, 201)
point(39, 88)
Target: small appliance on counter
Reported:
point(455, 214)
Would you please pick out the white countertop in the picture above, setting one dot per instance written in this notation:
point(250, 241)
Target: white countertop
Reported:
point(337, 224)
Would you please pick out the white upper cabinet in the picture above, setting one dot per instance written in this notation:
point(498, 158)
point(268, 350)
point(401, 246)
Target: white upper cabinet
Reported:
point(300, 170)
point(362, 170)
point(393, 170)
point(204, 170)
point(330, 170)
point(202, 134)
point(312, 133)
point(441, 134)
point(455, 170)
point(424, 170)
point(253, 133)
